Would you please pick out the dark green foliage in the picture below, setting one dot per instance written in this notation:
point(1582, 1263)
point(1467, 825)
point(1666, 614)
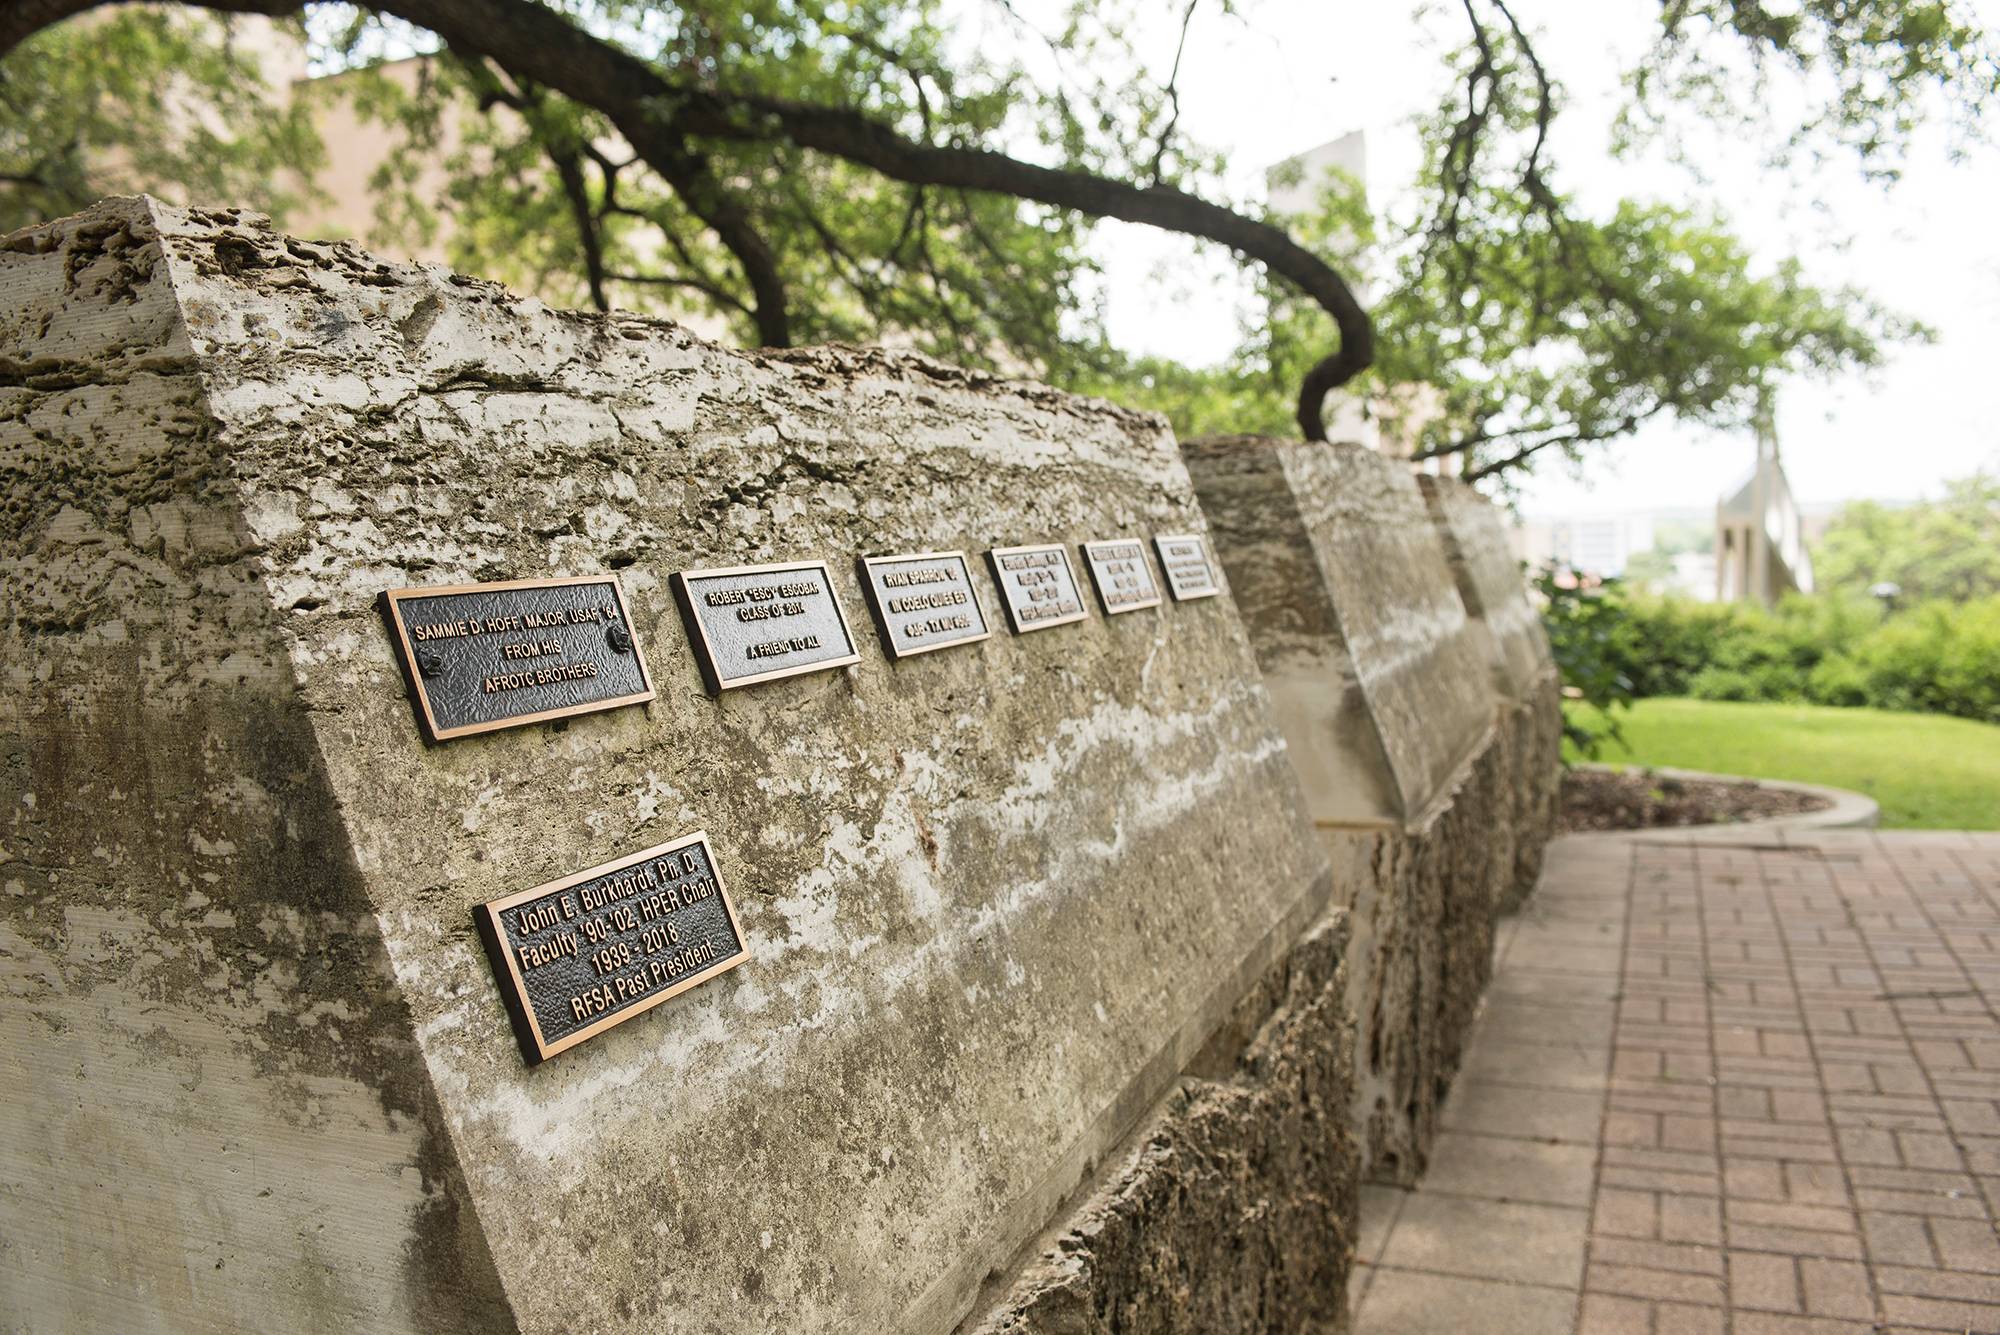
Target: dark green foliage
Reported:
point(1589, 636)
point(1883, 67)
point(1940, 658)
point(145, 99)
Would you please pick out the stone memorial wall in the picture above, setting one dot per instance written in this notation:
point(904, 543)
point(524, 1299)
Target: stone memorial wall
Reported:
point(1413, 762)
point(526, 820)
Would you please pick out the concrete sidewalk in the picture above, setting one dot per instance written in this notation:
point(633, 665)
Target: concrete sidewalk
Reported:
point(1723, 1083)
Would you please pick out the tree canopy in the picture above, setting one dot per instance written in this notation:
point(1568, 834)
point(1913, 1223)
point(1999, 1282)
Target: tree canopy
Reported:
point(1946, 550)
point(809, 170)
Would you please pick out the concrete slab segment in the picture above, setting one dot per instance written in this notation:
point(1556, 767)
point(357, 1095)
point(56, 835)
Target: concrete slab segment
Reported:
point(996, 900)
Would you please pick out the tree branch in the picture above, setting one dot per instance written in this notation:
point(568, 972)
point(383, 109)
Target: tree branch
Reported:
point(564, 153)
point(656, 115)
point(21, 19)
point(569, 170)
point(1173, 96)
point(688, 172)
point(1580, 436)
point(701, 281)
point(720, 296)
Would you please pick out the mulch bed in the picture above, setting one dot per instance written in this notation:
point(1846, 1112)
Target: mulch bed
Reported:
point(1642, 800)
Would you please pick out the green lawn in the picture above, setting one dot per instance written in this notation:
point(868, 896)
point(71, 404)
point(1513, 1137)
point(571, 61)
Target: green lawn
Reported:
point(1927, 771)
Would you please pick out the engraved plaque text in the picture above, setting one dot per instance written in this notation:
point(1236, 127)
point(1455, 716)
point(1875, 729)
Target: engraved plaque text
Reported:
point(1190, 572)
point(1124, 581)
point(487, 656)
point(1038, 586)
point(757, 623)
point(576, 956)
point(923, 602)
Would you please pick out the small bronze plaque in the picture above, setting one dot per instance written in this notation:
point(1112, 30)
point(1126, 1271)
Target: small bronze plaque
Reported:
point(923, 602)
point(758, 623)
point(1190, 572)
point(487, 656)
point(1124, 581)
point(1038, 586)
point(576, 956)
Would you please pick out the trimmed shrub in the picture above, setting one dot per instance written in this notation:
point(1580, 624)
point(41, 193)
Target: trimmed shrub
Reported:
point(1838, 680)
point(1939, 658)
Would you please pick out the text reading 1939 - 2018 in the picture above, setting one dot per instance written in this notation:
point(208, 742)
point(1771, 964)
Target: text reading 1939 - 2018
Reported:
point(756, 623)
point(923, 601)
point(576, 956)
point(486, 656)
point(1124, 581)
point(1038, 586)
point(1190, 574)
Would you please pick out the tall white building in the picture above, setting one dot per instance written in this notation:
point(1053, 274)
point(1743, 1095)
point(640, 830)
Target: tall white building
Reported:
point(1601, 545)
point(1295, 188)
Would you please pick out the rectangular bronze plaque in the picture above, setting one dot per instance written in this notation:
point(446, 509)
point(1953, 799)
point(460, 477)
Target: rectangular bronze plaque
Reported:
point(1124, 581)
point(1038, 586)
point(486, 656)
point(576, 956)
point(923, 601)
point(1190, 572)
point(758, 623)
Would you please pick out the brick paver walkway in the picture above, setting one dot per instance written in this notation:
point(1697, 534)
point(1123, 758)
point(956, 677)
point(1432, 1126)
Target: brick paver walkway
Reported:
point(1720, 1085)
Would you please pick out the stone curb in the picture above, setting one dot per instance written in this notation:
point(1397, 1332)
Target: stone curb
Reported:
point(1850, 810)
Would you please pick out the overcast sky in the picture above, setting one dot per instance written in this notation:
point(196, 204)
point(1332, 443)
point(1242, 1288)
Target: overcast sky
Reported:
point(1290, 74)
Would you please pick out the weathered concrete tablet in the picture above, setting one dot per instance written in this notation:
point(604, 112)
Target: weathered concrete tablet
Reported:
point(995, 900)
point(1489, 581)
point(1358, 625)
point(1496, 597)
point(1383, 689)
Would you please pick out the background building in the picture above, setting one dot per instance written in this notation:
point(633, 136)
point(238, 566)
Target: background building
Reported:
point(1760, 540)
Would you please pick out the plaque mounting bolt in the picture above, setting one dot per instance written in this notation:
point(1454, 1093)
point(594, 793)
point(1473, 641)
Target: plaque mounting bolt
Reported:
point(430, 662)
point(621, 639)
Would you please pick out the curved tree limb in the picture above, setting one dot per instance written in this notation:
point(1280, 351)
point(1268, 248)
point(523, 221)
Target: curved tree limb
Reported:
point(657, 115)
point(569, 170)
point(1579, 435)
point(688, 172)
point(682, 168)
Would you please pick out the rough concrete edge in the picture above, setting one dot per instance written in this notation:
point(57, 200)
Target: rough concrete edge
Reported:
point(1850, 810)
point(143, 211)
point(1227, 1062)
point(853, 357)
point(1421, 822)
point(480, 1260)
point(1211, 1045)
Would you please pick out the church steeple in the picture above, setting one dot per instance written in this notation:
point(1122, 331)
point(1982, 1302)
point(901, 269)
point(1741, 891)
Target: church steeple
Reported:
point(1760, 552)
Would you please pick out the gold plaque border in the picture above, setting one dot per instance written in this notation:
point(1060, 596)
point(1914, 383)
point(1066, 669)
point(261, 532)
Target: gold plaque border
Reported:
point(705, 651)
point(868, 564)
point(1105, 603)
point(489, 924)
point(1207, 555)
point(993, 556)
point(395, 598)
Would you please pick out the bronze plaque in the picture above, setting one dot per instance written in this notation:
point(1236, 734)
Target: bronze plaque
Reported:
point(758, 623)
point(576, 956)
point(1190, 569)
point(1124, 581)
point(923, 601)
point(1038, 586)
point(486, 656)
